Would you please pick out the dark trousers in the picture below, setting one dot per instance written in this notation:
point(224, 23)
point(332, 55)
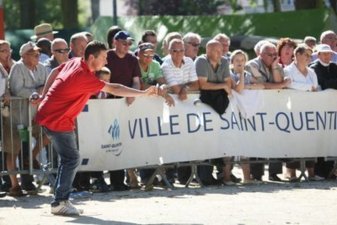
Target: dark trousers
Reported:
point(117, 178)
point(323, 168)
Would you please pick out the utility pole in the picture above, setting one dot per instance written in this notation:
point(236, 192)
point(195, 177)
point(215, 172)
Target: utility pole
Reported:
point(2, 21)
point(114, 12)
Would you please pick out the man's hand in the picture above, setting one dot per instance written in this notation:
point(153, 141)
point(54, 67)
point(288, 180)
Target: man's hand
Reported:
point(35, 98)
point(169, 100)
point(182, 94)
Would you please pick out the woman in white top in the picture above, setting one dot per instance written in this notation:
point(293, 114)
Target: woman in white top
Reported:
point(302, 77)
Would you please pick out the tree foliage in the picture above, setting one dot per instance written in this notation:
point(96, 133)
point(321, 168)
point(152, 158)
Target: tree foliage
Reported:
point(25, 14)
point(178, 7)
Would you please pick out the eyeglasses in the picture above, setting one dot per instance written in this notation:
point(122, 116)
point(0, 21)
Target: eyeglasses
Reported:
point(177, 50)
point(62, 50)
point(271, 54)
point(6, 50)
point(194, 44)
point(34, 54)
point(148, 55)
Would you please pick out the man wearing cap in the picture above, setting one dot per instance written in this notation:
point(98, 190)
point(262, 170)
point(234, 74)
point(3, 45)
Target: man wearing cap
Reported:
point(27, 75)
point(43, 30)
point(125, 70)
point(328, 37)
point(326, 72)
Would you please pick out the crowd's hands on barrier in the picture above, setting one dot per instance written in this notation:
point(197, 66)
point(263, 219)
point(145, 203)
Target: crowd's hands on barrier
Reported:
point(130, 100)
point(35, 98)
point(182, 94)
point(228, 89)
point(6, 98)
point(163, 92)
point(286, 82)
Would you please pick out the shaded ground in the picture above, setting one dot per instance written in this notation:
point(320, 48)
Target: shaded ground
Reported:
point(270, 203)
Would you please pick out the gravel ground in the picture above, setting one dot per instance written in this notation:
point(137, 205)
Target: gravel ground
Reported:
point(268, 203)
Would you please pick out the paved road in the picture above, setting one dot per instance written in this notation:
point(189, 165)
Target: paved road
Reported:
point(271, 203)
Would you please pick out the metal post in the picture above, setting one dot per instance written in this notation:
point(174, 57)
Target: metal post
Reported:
point(114, 11)
point(2, 21)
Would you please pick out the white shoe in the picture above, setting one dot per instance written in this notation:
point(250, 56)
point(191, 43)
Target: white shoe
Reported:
point(65, 208)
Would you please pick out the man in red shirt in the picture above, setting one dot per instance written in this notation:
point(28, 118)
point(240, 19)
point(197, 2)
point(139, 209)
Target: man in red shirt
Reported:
point(66, 92)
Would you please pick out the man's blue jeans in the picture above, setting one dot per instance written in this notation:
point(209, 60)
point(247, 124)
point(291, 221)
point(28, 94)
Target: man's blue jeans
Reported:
point(65, 145)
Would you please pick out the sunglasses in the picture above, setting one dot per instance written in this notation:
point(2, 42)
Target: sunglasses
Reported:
point(271, 54)
point(177, 50)
point(194, 44)
point(148, 55)
point(62, 51)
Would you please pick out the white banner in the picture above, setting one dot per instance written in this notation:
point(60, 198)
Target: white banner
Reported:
point(264, 123)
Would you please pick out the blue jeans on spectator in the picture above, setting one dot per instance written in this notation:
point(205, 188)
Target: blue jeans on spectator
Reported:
point(66, 146)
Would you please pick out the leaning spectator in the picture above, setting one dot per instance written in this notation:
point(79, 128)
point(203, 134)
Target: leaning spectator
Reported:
point(192, 43)
point(125, 70)
point(214, 75)
point(328, 37)
point(326, 72)
point(302, 78)
point(267, 71)
point(151, 75)
point(27, 75)
point(179, 70)
point(285, 50)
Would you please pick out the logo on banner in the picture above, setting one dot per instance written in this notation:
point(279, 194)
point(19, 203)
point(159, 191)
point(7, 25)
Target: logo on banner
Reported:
point(114, 132)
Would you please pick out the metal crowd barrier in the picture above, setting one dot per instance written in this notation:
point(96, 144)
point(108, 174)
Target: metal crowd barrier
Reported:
point(18, 130)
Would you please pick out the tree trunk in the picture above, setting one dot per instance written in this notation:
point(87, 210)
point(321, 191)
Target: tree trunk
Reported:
point(27, 14)
point(277, 5)
point(308, 4)
point(94, 9)
point(69, 14)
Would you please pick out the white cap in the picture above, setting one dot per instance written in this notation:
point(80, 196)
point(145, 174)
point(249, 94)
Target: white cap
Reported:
point(323, 48)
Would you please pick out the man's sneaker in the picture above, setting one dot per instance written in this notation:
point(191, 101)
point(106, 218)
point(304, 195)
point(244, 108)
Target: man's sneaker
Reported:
point(65, 208)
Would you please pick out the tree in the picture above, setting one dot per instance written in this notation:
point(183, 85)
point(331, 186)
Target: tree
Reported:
point(70, 13)
point(308, 4)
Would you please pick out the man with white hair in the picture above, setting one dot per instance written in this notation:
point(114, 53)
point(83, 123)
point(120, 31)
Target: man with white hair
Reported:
point(192, 43)
point(60, 50)
point(266, 69)
point(328, 37)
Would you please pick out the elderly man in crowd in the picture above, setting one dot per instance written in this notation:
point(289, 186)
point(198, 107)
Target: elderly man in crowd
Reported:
point(266, 70)
point(192, 43)
point(27, 75)
point(60, 50)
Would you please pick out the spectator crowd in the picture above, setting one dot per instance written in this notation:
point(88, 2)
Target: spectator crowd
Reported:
point(307, 66)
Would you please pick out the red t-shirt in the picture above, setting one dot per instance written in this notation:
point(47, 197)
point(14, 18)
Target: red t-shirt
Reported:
point(67, 96)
